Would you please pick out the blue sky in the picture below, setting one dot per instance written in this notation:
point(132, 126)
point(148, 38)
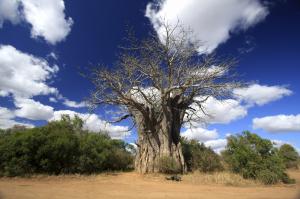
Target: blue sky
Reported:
point(45, 44)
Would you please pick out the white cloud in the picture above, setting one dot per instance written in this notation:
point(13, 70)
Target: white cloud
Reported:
point(24, 75)
point(33, 110)
point(46, 17)
point(221, 111)
point(9, 10)
point(217, 145)
point(52, 99)
point(200, 134)
point(224, 111)
point(5, 113)
point(212, 21)
point(228, 110)
point(6, 119)
point(260, 94)
point(278, 123)
point(67, 102)
point(93, 123)
point(73, 104)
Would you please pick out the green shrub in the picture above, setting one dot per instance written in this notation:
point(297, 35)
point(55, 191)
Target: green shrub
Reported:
point(289, 156)
point(268, 177)
point(98, 153)
point(254, 157)
point(16, 154)
point(199, 157)
point(168, 165)
point(60, 147)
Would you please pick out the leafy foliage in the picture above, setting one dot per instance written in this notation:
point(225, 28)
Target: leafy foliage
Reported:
point(256, 158)
point(60, 147)
point(289, 156)
point(98, 153)
point(199, 157)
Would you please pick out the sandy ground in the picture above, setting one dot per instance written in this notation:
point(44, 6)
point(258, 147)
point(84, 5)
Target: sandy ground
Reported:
point(132, 185)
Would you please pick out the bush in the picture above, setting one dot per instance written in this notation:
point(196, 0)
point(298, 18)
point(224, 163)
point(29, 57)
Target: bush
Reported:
point(16, 154)
point(199, 157)
point(268, 177)
point(60, 147)
point(289, 156)
point(168, 165)
point(57, 151)
point(254, 157)
point(98, 153)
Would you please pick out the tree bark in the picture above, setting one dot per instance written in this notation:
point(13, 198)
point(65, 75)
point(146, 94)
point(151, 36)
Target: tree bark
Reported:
point(157, 139)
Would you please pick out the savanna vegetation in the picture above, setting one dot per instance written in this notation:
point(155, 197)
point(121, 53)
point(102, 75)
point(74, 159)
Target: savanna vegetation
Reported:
point(161, 86)
point(256, 158)
point(63, 147)
point(60, 147)
point(198, 157)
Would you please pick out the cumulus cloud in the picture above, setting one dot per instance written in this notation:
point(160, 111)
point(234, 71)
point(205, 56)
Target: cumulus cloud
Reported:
point(33, 110)
point(261, 94)
point(9, 10)
point(24, 75)
point(5, 113)
point(217, 145)
point(221, 111)
point(278, 123)
point(74, 104)
point(212, 21)
point(224, 111)
point(7, 119)
point(200, 134)
point(93, 123)
point(228, 110)
point(67, 102)
point(46, 17)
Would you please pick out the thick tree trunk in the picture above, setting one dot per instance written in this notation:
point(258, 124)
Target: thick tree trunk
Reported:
point(157, 140)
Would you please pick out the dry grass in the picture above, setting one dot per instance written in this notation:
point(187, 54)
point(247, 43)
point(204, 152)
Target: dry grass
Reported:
point(220, 178)
point(217, 178)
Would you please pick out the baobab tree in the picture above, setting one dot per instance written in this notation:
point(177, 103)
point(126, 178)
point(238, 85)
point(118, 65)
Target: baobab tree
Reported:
point(161, 83)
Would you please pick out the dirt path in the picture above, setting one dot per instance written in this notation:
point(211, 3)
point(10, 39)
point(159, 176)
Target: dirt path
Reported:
point(134, 186)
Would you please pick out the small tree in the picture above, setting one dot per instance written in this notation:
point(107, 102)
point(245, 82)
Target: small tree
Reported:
point(161, 83)
point(256, 158)
point(289, 156)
